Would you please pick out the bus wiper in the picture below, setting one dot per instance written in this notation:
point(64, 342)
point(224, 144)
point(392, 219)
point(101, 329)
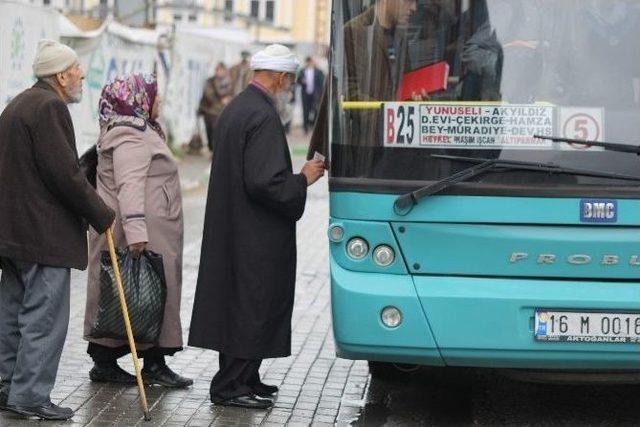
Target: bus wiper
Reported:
point(405, 203)
point(621, 148)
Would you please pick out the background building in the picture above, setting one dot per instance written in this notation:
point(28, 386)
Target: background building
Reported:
point(303, 24)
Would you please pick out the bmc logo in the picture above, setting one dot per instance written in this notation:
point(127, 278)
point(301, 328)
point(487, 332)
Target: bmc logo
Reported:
point(604, 211)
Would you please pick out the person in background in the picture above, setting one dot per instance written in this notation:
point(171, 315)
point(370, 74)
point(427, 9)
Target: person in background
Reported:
point(45, 204)
point(240, 74)
point(292, 106)
point(311, 81)
point(216, 95)
point(246, 284)
point(138, 177)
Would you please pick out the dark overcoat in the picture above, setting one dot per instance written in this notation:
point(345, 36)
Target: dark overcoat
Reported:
point(45, 199)
point(246, 285)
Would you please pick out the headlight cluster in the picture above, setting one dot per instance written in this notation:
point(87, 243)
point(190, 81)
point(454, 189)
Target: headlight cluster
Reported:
point(336, 233)
point(358, 249)
point(384, 256)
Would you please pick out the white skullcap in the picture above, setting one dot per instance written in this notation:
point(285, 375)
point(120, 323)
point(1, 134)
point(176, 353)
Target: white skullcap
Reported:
point(53, 58)
point(275, 58)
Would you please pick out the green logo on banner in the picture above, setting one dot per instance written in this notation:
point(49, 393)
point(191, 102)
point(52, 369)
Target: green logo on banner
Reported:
point(18, 44)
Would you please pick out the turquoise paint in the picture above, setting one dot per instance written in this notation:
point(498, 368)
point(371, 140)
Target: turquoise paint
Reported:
point(470, 320)
point(376, 234)
point(489, 322)
point(357, 301)
point(473, 209)
point(488, 250)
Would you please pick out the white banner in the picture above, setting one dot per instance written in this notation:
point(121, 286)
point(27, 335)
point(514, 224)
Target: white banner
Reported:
point(103, 58)
point(21, 27)
point(194, 57)
point(114, 50)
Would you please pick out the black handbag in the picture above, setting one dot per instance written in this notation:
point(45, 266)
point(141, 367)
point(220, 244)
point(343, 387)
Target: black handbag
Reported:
point(145, 290)
point(89, 165)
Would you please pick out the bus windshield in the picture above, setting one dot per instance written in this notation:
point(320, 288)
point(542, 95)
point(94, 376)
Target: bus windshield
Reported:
point(420, 86)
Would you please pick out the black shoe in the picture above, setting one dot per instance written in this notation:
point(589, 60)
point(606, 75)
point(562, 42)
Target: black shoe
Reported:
point(264, 390)
point(110, 373)
point(4, 396)
point(247, 401)
point(161, 375)
point(45, 412)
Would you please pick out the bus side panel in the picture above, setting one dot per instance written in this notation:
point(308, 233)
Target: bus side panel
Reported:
point(489, 322)
point(357, 301)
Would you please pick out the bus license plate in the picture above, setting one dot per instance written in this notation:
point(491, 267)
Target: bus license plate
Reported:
point(589, 327)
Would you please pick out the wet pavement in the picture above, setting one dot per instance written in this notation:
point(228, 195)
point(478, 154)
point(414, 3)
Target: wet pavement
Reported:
point(317, 388)
point(437, 397)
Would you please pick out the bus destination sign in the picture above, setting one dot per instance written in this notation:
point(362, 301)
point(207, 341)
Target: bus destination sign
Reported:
point(414, 125)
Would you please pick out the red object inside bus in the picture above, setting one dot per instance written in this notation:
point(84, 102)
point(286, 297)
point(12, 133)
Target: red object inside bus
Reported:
point(429, 79)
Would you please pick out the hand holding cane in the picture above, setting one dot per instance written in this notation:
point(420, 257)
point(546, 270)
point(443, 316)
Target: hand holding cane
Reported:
point(127, 323)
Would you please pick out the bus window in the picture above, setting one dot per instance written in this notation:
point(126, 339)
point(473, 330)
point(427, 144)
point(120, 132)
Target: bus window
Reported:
point(548, 67)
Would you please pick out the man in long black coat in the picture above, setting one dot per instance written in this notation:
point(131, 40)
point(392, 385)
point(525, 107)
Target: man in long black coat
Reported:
point(246, 285)
point(45, 205)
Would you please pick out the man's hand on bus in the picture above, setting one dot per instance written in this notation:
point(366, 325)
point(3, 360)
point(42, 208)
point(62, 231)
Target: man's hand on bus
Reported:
point(313, 170)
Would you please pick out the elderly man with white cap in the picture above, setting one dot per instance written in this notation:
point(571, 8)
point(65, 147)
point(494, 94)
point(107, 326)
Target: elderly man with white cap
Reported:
point(45, 204)
point(246, 285)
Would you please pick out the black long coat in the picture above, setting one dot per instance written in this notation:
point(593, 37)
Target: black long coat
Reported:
point(45, 200)
point(245, 292)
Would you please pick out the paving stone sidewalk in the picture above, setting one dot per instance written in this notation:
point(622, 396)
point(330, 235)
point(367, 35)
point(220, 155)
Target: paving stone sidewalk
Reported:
point(315, 387)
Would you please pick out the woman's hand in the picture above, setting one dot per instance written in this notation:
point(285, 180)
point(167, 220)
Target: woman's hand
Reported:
point(137, 248)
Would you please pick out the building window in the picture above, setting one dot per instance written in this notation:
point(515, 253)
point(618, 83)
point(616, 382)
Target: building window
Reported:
point(228, 10)
point(193, 17)
point(177, 17)
point(255, 9)
point(270, 11)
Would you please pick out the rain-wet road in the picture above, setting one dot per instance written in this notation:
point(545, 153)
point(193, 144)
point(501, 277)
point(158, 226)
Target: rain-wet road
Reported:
point(433, 397)
point(316, 388)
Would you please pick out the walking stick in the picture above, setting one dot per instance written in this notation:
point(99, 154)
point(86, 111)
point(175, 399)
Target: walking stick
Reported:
point(127, 323)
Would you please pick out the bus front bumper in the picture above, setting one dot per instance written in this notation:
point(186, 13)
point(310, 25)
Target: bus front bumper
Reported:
point(474, 322)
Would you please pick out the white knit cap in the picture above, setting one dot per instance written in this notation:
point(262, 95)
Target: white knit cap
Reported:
point(275, 57)
point(53, 58)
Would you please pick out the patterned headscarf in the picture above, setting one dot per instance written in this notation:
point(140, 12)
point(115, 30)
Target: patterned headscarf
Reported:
point(131, 95)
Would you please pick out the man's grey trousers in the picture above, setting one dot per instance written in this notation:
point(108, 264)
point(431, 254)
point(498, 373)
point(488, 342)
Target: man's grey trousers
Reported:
point(34, 318)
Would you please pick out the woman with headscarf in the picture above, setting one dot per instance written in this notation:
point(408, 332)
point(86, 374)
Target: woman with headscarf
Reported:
point(138, 178)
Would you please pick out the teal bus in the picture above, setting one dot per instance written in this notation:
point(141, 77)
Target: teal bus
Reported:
point(485, 183)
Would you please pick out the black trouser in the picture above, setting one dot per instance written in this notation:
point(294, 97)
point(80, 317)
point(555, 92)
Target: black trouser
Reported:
point(102, 354)
point(236, 377)
point(210, 122)
point(308, 111)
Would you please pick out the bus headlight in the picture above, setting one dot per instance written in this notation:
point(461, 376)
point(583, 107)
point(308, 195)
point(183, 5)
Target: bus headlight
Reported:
point(336, 233)
point(357, 248)
point(391, 317)
point(384, 256)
